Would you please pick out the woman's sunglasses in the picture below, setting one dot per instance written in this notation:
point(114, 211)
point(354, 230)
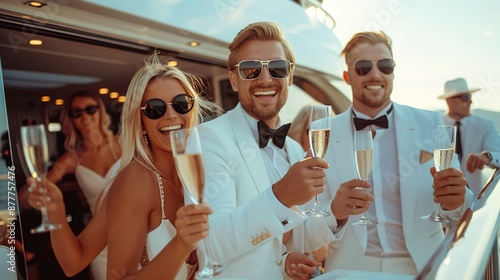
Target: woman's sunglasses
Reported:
point(363, 67)
point(76, 113)
point(251, 69)
point(155, 108)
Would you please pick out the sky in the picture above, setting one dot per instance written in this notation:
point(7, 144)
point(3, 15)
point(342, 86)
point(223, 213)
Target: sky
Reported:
point(433, 42)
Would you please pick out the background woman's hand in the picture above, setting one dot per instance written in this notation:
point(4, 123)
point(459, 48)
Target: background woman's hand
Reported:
point(192, 224)
point(66, 164)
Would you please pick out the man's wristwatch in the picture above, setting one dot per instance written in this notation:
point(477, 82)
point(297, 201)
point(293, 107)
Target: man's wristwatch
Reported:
point(488, 154)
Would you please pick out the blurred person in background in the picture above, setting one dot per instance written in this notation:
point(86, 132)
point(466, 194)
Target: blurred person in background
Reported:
point(92, 154)
point(478, 140)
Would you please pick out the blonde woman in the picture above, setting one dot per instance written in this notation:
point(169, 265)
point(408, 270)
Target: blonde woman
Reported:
point(142, 217)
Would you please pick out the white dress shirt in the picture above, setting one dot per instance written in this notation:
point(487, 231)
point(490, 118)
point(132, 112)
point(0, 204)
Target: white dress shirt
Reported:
point(277, 165)
point(385, 239)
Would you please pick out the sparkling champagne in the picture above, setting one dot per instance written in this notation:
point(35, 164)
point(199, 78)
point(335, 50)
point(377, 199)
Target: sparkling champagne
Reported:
point(364, 163)
point(443, 158)
point(36, 157)
point(318, 139)
point(192, 174)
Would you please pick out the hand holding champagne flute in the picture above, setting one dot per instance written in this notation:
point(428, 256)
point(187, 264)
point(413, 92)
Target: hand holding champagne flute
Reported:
point(36, 155)
point(363, 154)
point(186, 148)
point(319, 137)
point(444, 149)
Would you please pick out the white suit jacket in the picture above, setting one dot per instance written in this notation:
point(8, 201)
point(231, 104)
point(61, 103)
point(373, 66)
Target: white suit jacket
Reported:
point(414, 130)
point(478, 135)
point(244, 232)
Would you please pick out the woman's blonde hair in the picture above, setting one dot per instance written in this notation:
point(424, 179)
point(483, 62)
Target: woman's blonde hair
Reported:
point(74, 139)
point(134, 146)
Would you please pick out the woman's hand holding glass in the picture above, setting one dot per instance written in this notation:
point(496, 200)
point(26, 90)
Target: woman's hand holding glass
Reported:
point(36, 155)
point(45, 193)
point(191, 224)
point(186, 148)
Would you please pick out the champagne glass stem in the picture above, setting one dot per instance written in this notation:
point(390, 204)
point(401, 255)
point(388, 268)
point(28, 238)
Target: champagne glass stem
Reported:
point(208, 260)
point(43, 208)
point(316, 204)
point(210, 268)
point(364, 217)
point(45, 224)
point(45, 216)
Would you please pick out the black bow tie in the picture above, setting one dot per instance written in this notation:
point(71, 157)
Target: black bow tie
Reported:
point(380, 121)
point(278, 135)
point(362, 123)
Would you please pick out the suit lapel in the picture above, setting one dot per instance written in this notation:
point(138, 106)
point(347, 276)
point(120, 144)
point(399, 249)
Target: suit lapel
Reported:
point(343, 147)
point(294, 154)
point(249, 149)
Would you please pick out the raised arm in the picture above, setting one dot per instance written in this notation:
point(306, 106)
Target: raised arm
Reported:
point(132, 203)
point(66, 164)
point(73, 253)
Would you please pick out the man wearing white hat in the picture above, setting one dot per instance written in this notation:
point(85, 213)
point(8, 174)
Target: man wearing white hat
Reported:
point(478, 141)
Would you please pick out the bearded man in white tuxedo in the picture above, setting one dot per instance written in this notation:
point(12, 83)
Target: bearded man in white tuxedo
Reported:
point(402, 188)
point(254, 186)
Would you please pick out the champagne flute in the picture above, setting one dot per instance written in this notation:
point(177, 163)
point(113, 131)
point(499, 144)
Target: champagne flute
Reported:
point(36, 155)
point(444, 148)
point(363, 154)
point(319, 136)
point(186, 148)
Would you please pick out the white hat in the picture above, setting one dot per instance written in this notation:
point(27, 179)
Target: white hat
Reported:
point(456, 87)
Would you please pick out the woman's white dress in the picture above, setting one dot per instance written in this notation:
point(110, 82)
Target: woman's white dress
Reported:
point(158, 238)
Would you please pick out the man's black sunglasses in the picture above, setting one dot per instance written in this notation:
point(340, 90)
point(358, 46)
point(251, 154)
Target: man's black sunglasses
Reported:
point(76, 113)
point(464, 97)
point(363, 67)
point(155, 108)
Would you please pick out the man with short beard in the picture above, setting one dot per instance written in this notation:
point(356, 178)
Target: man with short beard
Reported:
point(253, 183)
point(400, 189)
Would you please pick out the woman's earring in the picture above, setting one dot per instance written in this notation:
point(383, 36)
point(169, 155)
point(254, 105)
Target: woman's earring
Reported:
point(145, 135)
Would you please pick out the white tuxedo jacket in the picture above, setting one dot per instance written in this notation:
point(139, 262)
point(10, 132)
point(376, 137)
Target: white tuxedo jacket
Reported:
point(478, 134)
point(244, 232)
point(415, 130)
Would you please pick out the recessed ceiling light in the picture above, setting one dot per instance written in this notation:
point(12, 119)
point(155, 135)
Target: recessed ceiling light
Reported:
point(121, 98)
point(35, 4)
point(54, 127)
point(59, 102)
point(172, 63)
point(103, 91)
point(45, 98)
point(194, 44)
point(114, 94)
point(35, 42)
